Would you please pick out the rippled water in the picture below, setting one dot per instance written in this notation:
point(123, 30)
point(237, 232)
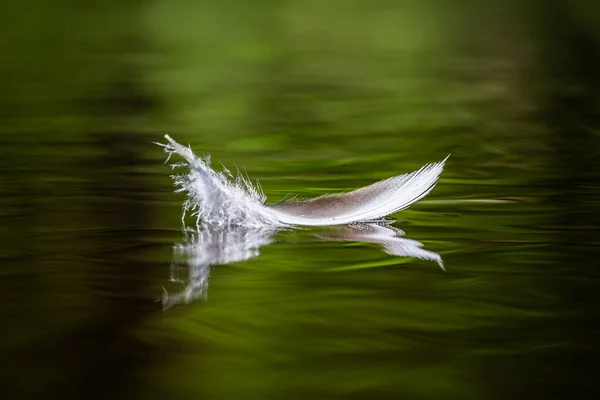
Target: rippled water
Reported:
point(104, 296)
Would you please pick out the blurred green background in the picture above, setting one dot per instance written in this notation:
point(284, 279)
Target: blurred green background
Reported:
point(310, 97)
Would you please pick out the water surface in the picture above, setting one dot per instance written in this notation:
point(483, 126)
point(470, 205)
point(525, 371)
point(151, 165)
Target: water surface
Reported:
point(95, 288)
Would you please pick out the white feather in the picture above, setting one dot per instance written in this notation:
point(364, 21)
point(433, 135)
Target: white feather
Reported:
point(369, 203)
point(220, 199)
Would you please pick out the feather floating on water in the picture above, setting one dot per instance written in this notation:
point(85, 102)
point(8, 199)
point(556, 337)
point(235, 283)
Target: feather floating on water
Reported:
point(222, 199)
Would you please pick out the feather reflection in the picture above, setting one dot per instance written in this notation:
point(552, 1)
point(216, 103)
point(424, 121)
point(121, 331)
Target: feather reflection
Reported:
point(217, 246)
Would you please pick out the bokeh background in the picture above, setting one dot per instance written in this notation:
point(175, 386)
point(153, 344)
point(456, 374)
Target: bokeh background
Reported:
point(311, 97)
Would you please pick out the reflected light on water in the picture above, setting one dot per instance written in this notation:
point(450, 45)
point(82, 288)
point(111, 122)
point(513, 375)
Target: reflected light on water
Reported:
point(211, 246)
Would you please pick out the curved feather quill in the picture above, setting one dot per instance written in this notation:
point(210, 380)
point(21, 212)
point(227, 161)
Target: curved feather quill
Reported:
point(369, 203)
point(219, 198)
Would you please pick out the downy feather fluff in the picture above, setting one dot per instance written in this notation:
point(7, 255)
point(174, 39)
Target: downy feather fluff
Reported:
point(222, 199)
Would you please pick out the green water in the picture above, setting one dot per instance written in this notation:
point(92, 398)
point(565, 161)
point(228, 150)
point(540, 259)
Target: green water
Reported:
point(310, 97)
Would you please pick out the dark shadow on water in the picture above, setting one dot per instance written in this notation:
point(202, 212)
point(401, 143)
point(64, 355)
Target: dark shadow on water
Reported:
point(218, 246)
